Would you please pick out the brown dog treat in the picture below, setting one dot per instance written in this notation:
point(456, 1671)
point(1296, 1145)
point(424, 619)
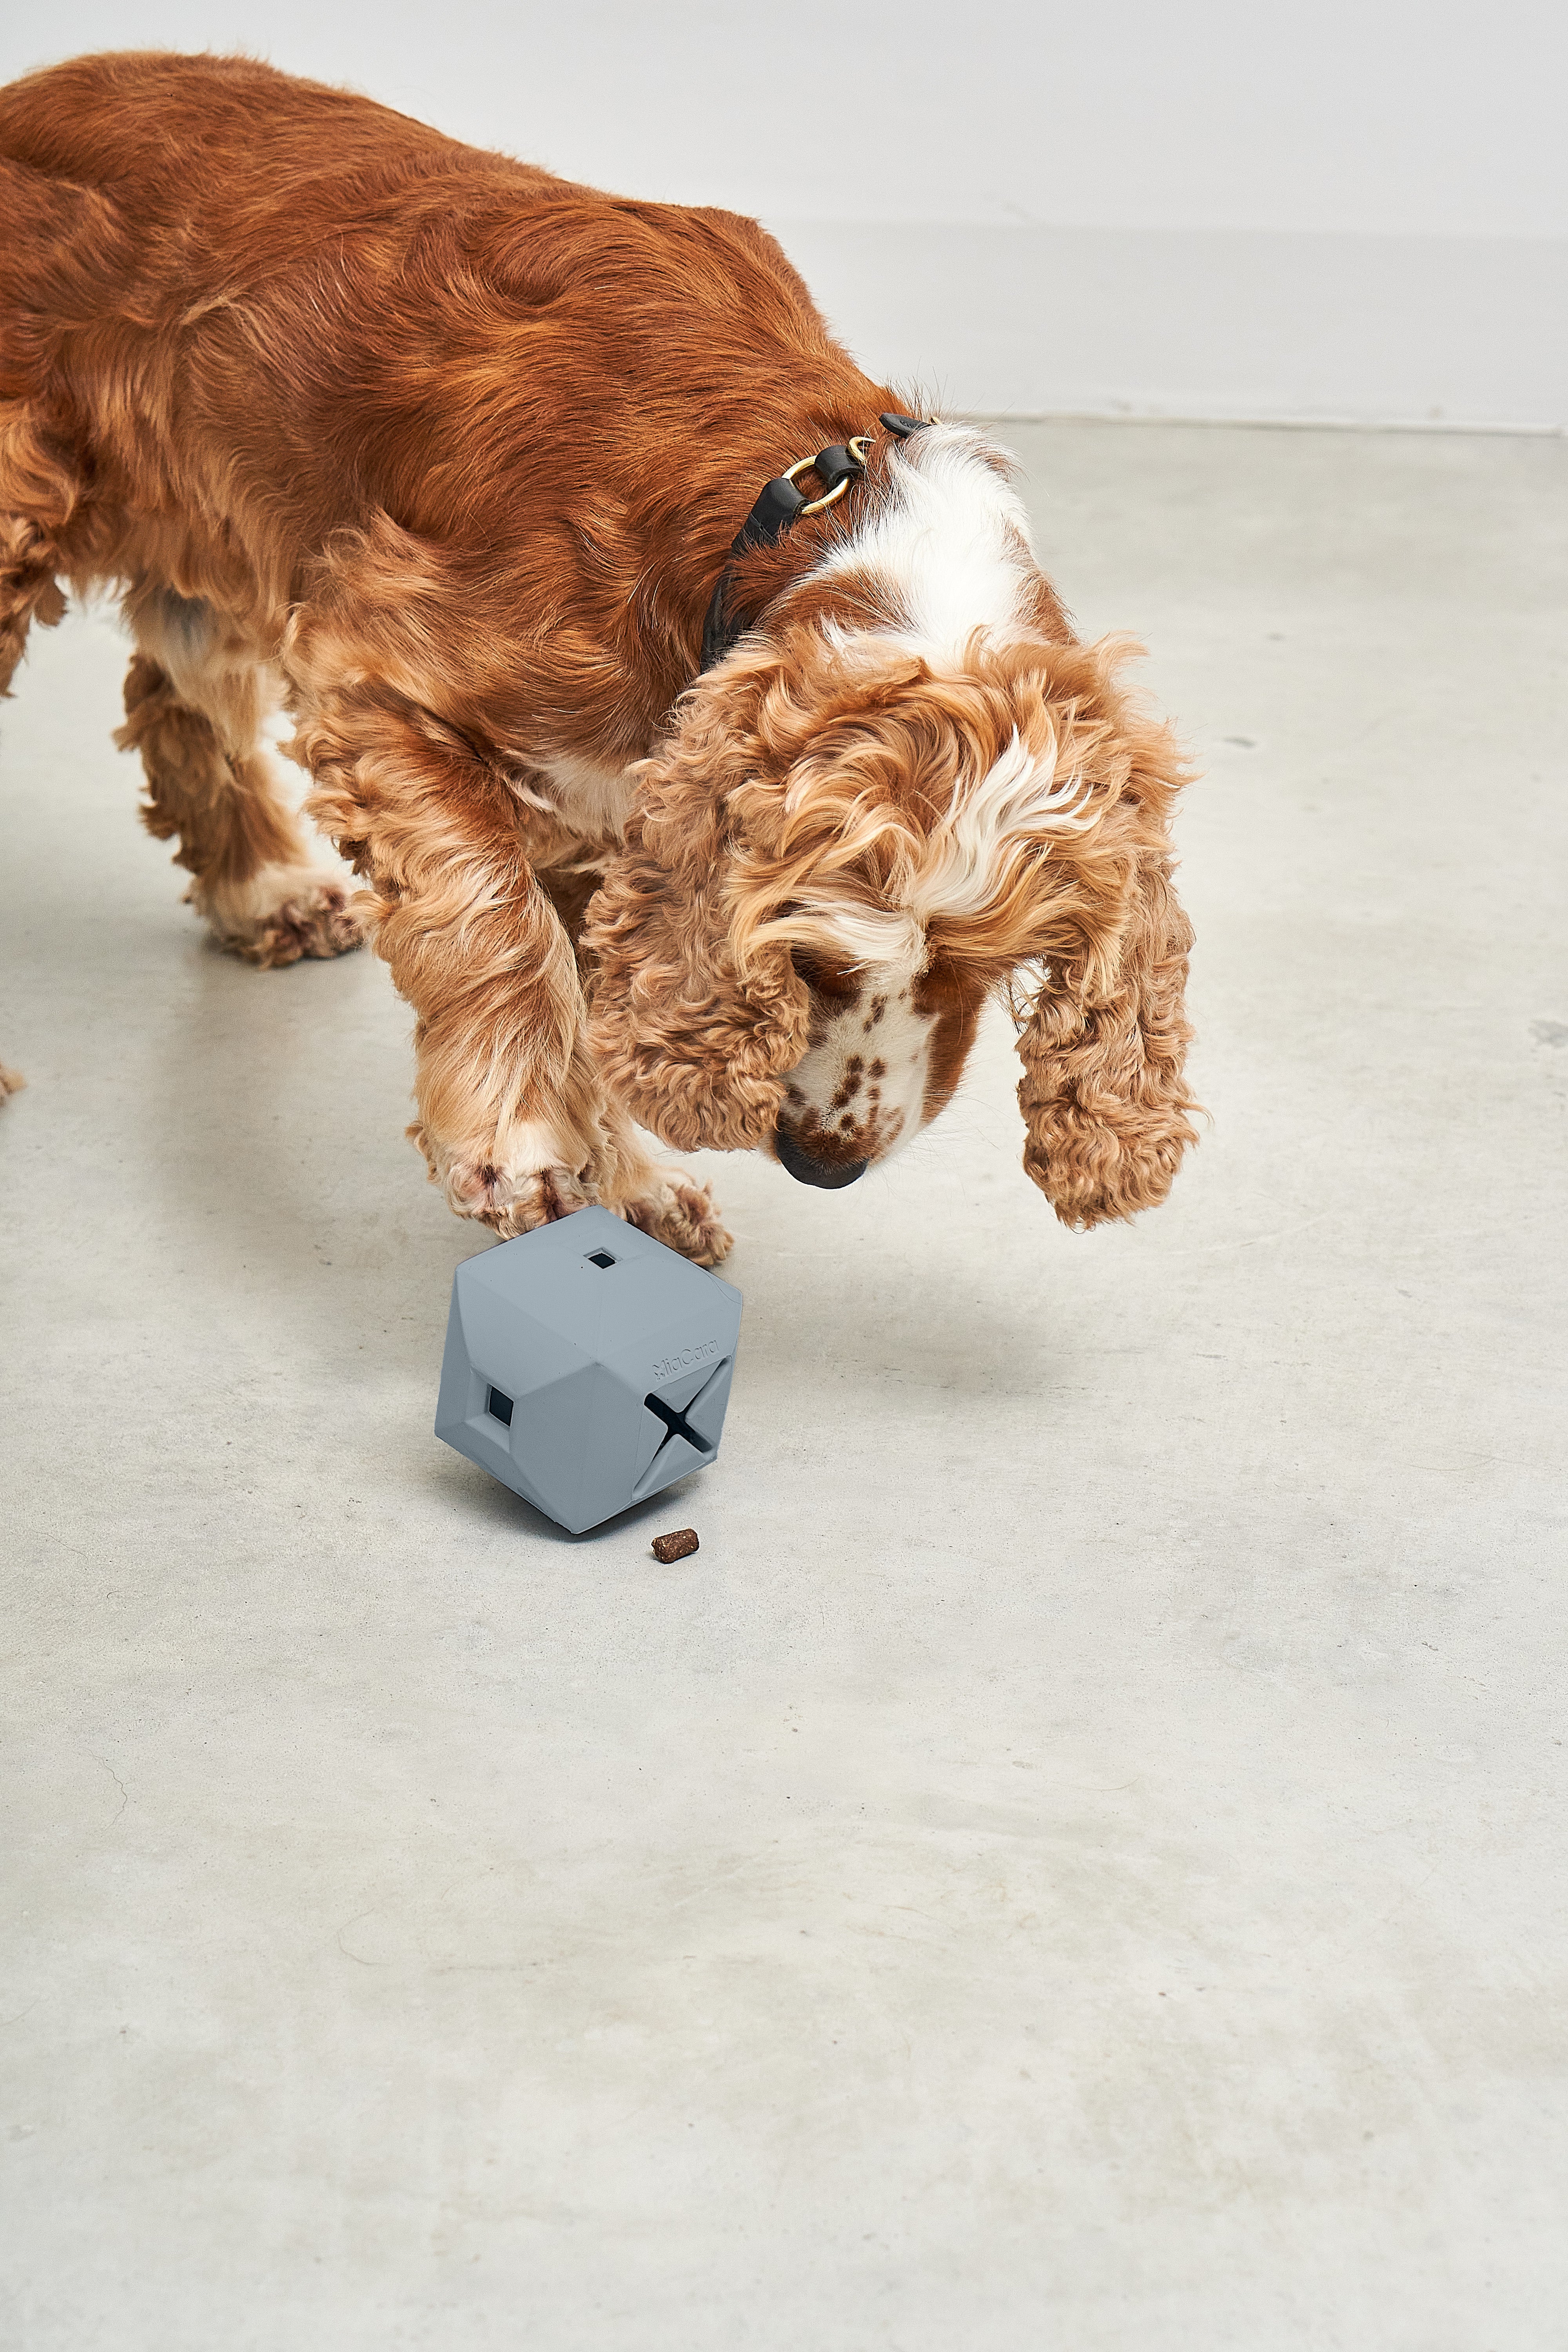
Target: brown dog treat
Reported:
point(678, 1546)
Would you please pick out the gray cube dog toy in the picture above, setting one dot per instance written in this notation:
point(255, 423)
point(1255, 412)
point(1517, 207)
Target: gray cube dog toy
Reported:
point(588, 1366)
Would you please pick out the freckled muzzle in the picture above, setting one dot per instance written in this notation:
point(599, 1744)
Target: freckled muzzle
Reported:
point(799, 1162)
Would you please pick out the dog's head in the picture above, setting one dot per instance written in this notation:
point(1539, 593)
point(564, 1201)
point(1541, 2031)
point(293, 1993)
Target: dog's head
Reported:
point(843, 850)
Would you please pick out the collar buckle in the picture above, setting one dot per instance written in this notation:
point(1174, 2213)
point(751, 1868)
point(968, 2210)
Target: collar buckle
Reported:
point(780, 505)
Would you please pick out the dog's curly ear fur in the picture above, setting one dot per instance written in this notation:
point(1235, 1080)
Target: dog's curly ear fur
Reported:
point(1104, 1043)
point(696, 1030)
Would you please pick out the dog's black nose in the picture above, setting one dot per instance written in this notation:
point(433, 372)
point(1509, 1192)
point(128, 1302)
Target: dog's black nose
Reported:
point(807, 1171)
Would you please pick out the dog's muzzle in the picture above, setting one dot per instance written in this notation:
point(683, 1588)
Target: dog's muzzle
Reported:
point(807, 1171)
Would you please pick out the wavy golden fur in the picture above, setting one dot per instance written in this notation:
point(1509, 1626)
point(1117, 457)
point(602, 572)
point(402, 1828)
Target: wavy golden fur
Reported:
point(444, 455)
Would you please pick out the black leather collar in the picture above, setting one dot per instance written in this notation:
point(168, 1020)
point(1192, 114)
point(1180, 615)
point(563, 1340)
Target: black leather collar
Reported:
point(777, 507)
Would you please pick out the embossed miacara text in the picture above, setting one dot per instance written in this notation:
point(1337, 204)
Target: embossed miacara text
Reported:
point(683, 1363)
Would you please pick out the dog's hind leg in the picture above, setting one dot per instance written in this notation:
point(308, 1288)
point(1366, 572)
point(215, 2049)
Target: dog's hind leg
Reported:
point(39, 492)
point(195, 701)
point(28, 590)
point(34, 479)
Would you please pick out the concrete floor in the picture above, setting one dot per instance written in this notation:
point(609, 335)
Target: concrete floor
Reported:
point(1077, 1858)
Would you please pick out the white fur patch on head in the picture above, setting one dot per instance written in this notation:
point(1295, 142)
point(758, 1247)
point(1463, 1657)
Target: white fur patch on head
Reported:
point(968, 859)
point(962, 867)
point(949, 543)
point(871, 938)
point(948, 546)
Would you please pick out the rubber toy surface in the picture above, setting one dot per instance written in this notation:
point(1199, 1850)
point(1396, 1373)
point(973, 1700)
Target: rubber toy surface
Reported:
point(587, 1366)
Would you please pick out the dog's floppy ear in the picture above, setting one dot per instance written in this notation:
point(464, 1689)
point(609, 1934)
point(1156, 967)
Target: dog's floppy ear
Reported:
point(1104, 1041)
point(694, 1026)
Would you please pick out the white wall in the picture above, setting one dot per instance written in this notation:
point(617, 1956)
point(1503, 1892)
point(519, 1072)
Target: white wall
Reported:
point(1237, 208)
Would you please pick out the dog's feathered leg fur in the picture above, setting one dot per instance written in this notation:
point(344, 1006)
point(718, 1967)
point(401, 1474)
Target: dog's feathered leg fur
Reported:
point(196, 699)
point(252, 878)
point(37, 494)
point(28, 590)
point(513, 1117)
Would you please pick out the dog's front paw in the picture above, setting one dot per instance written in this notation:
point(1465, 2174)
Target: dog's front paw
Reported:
point(678, 1212)
point(11, 1082)
point(526, 1185)
point(285, 913)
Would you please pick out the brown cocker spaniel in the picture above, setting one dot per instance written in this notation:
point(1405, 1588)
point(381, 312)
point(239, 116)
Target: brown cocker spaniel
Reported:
point(448, 455)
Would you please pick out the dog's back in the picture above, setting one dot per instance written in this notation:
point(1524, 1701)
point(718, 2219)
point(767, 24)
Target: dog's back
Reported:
point(228, 171)
point(297, 257)
point(183, 136)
